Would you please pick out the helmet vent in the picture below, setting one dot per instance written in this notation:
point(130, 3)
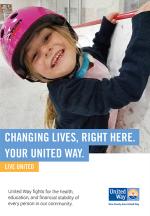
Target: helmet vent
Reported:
point(2, 33)
point(13, 15)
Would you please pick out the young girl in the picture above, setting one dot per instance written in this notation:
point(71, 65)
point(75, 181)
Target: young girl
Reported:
point(41, 46)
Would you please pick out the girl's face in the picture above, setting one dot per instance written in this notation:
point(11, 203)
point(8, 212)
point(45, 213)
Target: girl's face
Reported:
point(50, 54)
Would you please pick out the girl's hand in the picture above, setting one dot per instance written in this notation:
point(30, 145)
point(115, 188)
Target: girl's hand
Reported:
point(112, 17)
point(144, 7)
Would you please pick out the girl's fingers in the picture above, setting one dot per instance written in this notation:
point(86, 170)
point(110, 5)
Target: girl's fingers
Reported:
point(114, 21)
point(111, 17)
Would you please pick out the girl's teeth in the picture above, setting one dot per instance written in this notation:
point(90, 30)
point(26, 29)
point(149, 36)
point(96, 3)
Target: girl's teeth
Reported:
point(57, 57)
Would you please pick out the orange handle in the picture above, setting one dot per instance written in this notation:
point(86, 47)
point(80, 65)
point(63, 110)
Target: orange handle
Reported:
point(125, 15)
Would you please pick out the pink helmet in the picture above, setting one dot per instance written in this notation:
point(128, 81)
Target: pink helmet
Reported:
point(18, 28)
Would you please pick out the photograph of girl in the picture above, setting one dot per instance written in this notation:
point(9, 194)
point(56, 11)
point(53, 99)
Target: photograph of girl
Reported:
point(41, 46)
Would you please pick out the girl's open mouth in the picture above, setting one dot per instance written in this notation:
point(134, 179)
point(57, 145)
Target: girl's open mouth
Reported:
point(57, 57)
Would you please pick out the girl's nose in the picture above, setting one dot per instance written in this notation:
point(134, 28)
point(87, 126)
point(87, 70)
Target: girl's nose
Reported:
point(45, 49)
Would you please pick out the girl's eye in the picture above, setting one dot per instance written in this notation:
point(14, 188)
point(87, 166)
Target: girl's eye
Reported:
point(34, 56)
point(47, 37)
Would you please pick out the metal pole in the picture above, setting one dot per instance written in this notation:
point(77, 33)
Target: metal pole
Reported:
point(68, 11)
point(56, 6)
point(79, 11)
point(40, 2)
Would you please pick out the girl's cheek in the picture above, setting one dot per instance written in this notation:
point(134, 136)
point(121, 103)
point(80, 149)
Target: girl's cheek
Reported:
point(36, 64)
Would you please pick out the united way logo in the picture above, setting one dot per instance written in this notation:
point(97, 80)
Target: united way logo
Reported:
point(123, 194)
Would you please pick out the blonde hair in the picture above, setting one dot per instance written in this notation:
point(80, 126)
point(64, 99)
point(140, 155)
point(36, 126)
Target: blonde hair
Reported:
point(50, 112)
